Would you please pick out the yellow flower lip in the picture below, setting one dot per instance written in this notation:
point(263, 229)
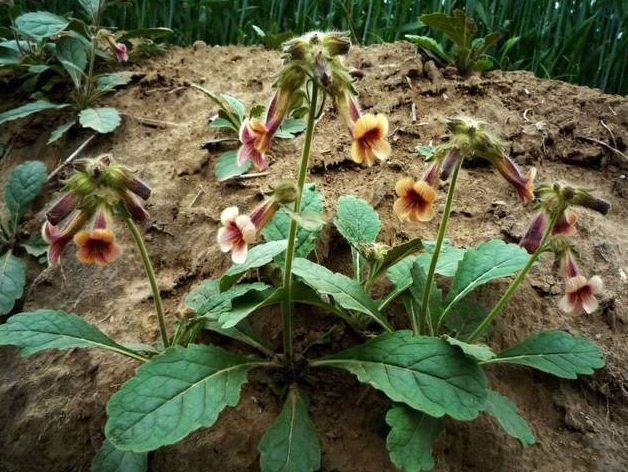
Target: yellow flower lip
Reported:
point(97, 247)
point(416, 200)
point(369, 139)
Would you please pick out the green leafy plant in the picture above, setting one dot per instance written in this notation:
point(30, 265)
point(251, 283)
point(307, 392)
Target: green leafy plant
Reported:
point(468, 54)
point(48, 47)
point(429, 365)
point(24, 185)
point(230, 118)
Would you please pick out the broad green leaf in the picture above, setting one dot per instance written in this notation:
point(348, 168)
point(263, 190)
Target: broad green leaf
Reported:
point(396, 254)
point(111, 81)
point(278, 227)
point(448, 259)
point(152, 33)
point(491, 260)
point(465, 317)
point(555, 352)
point(258, 256)
point(175, 393)
point(291, 442)
point(227, 166)
point(412, 433)
point(356, 220)
point(41, 24)
point(102, 120)
point(430, 46)
point(241, 332)
point(236, 105)
point(72, 55)
point(12, 280)
point(425, 373)
point(219, 122)
point(60, 130)
point(419, 279)
point(505, 412)
point(456, 26)
point(207, 300)
point(91, 7)
point(37, 330)
point(479, 352)
point(110, 459)
point(249, 304)
point(29, 109)
point(346, 292)
point(25, 183)
point(36, 245)
point(290, 128)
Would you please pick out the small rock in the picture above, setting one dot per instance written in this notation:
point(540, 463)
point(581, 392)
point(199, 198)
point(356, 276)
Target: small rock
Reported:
point(199, 45)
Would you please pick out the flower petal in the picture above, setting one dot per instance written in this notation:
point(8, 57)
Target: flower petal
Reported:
point(229, 215)
point(247, 228)
point(596, 284)
point(566, 304)
point(590, 304)
point(239, 253)
point(403, 186)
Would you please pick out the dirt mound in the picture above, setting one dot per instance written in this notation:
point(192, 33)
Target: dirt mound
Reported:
point(52, 406)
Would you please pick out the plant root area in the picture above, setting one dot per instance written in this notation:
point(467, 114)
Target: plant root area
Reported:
point(52, 405)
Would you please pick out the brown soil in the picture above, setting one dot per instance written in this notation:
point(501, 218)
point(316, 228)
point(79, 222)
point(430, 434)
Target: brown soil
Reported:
point(52, 405)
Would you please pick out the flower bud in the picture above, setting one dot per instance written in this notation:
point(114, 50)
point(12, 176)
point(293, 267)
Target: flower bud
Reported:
point(62, 208)
point(337, 43)
point(532, 238)
point(284, 191)
point(583, 198)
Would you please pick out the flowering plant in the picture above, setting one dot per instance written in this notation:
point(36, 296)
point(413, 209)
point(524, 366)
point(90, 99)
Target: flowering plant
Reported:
point(47, 46)
point(432, 370)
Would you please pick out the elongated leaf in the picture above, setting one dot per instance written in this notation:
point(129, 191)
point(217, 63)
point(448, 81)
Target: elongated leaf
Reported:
point(397, 253)
point(488, 261)
point(465, 317)
point(25, 183)
point(291, 442)
point(241, 332)
point(60, 130)
point(479, 352)
point(411, 436)
point(456, 26)
point(91, 7)
point(347, 292)
point(419, 280)
point(356, 220)
point(236, 105)
point(37, 330)
point(72, 55)
point(12, 280)
point(207, 300)
point(152, 33)
point(505, 412)
point(103, 120)
point(41, 24)
point(555, 352)
point(290, 128)
point(29, 109)
point(278, 227)
point(258, 256)
point(249, 304)
point(425, 373)
point(110, 459)
point(175, 393)
point(227, 166)
point(111, 81)
point(431, 47)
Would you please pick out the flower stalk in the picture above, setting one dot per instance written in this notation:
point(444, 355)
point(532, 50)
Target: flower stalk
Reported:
point(150, 273)
point(287, 307)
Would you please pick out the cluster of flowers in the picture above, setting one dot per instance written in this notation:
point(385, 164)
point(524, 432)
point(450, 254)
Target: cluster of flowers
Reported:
point(92, 194)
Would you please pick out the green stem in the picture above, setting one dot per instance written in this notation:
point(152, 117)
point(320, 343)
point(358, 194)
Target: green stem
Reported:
point(287, 307)
point(150, 273)
point(442, 228)
point(516, 282)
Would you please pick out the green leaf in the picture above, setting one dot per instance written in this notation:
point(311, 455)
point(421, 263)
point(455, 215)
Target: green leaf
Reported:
point(278, 228)
point(397, 253)
point(356, 220)
point(258, 256)
point(108, 82)
point(91, 7)
point(236, 105)
point(207, 300)
point(103, 120)
point(347, 293)
point(219, 122)
point(110, 459)
point(555, 352)
point(491, 260)
point(291, 442)
point(448, 259)
point(465, 317)
point(457, 26)
point(60, 130)
point(25, 183)
point(241, 332)
point(152, 33)
point(41, 24)
point(37, 330)
point(425, 373)
point(479, 352)
point(12, 280)
point(430, 46)
point(290, 128)
point(175, 393)
point(505, 412)
point(29, 109)
point(307, 220)
point(249, 304)
point(227, 166)
point(72, 55)
point(419, 279)
point(36, 245)
point(411, 436)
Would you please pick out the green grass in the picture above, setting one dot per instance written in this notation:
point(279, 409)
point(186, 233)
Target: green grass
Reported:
point(580, 41)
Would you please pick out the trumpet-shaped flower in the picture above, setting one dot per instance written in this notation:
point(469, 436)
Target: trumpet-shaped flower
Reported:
point(237, 232)
point(59, 238)
point(369, 139)
point(255, 141)
point(532, 238)
point(565, 224)
point(97, 246)
point(580, 294)
point(415, 201)
point(118, 49)
point(523, 185)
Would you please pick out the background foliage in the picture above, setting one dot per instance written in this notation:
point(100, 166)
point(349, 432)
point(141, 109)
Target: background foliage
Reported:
point(580, 41)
